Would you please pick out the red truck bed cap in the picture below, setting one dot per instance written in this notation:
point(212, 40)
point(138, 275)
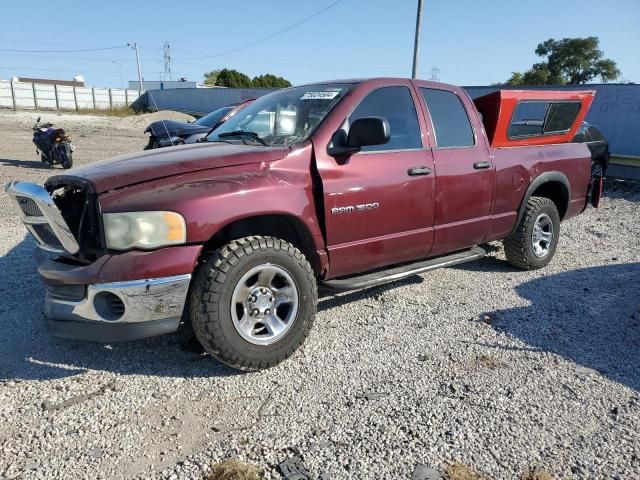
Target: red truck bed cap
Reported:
point(516, 118)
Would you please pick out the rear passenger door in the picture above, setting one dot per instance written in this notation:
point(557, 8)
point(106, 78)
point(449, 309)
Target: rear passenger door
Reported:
point(464, 171)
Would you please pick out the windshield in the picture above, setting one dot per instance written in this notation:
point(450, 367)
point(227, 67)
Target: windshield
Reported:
point(283, 117)
point(210, 119)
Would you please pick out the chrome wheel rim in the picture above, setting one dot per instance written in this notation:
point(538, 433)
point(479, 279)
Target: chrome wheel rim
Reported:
point(264, 304)
point(542, 235)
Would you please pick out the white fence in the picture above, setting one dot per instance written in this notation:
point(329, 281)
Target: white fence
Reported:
point(36, 96)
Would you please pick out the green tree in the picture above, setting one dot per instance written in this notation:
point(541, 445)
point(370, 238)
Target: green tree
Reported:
point(568, 61)
point(211, 77)
point(232, 79)
point(270, 81)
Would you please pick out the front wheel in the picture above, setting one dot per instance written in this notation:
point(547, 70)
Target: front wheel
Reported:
point(253, 302)
point(534, 241)
point(65, 154)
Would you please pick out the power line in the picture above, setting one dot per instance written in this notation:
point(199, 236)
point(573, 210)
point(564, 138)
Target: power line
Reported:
point(62, 51)
point(268, 37)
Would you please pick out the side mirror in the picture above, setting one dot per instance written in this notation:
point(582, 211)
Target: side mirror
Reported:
point(367, 131)
point(363, 132)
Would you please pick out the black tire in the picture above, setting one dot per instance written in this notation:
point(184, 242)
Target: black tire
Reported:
point(67, 156)
point(211, 293)
point(519, 246)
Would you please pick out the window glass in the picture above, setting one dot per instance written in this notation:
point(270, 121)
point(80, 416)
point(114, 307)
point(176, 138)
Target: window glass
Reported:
point(541, 118)
point(283, 117)
point(595, 134)
point(396, 105)
point(449, 117)
point(560, 116)
point(214, 117)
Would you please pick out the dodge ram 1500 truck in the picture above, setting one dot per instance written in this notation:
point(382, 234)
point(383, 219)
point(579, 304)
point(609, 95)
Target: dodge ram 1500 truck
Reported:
point(346, 184)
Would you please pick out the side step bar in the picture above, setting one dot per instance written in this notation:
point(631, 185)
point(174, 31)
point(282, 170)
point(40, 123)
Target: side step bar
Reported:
point(398, 273)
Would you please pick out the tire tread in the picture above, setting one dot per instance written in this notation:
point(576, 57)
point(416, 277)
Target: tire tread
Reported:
point(208, 286)
point(517, 244)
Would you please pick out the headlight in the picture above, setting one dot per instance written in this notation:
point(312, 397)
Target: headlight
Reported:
point(144, 229)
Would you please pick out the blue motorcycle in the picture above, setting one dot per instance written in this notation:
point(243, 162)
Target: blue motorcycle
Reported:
point(53, 145)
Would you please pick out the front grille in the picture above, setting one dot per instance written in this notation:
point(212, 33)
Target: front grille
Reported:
point(29, 207)
point(41, 216)
point(47, 235)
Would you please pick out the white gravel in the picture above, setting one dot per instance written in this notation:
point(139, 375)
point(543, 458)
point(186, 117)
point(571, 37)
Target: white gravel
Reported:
point(495, 368)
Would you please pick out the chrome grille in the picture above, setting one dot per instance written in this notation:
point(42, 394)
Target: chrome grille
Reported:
point(42, 218)
point(46, 234)
point(29, 207)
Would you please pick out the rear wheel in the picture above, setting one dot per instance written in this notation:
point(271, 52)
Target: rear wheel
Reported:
point(253, 302)
point(535, 239)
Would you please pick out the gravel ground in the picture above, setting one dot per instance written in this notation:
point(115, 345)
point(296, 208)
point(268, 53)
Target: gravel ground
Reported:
point(494, 368)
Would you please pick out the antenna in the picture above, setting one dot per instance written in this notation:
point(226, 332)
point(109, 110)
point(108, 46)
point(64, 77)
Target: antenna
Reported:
point(435, 74)
point(167, 62)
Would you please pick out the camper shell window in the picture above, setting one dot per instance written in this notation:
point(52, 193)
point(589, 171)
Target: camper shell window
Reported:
point(538, 118)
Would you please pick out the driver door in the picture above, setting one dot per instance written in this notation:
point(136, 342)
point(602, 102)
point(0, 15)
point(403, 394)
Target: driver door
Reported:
point(378, 203)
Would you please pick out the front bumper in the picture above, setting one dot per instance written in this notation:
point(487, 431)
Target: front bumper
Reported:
point(117, 311)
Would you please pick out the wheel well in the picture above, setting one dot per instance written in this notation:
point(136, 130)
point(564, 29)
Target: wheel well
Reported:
point(557, 192)
point(285, 227)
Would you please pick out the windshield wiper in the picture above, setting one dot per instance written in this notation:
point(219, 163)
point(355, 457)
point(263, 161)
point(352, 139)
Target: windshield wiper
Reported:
point(238, 133)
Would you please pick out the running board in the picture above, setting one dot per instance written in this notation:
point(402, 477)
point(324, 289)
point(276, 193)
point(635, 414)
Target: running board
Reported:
point(398, 273)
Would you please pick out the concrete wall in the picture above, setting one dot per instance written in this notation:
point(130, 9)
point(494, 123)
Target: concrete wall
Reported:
point(199, 100)
point(21, 95)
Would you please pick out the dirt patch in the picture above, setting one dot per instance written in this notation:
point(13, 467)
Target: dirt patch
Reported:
point(147, 118)
point(458, 471)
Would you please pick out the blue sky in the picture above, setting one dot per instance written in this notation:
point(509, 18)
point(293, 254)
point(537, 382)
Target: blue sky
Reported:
point(471, 42)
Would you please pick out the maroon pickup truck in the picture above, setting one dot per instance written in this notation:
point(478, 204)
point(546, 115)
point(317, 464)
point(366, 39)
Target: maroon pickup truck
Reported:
point(345, 184)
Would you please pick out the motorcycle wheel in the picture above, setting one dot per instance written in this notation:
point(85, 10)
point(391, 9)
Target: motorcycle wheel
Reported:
point(45, 159)
point(64, 155)
point(68, 161)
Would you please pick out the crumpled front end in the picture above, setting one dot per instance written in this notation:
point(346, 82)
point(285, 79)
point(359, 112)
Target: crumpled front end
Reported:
point(91, 293)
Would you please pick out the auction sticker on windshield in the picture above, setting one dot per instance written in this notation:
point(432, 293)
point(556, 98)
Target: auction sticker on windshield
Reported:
point(327, 95)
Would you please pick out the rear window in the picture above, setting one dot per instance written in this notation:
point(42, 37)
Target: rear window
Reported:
point(536, 118)
point(449, 117)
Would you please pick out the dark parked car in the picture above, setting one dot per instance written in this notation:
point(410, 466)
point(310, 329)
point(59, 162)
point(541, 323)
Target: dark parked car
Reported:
point(167, 133)
point(598, 146)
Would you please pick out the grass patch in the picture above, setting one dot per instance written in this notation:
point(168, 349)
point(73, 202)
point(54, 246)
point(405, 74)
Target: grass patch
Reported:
point(458, 471)
point(232, 469)
point(111, 112)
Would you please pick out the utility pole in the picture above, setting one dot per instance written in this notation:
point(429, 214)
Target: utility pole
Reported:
point(167, 62)
point(140, 86)
point(416, 44)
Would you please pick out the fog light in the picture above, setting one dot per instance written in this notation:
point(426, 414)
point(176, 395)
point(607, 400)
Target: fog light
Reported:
point(109, 306)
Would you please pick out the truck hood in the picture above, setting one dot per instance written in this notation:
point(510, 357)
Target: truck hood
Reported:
point(141, 167)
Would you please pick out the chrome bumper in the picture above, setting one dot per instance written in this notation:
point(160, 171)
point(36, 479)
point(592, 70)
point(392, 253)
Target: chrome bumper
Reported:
point(41, 216)
point(118, 310)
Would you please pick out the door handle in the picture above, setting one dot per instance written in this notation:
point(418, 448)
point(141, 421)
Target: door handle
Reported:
point(482, 165)
point(415, 171)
